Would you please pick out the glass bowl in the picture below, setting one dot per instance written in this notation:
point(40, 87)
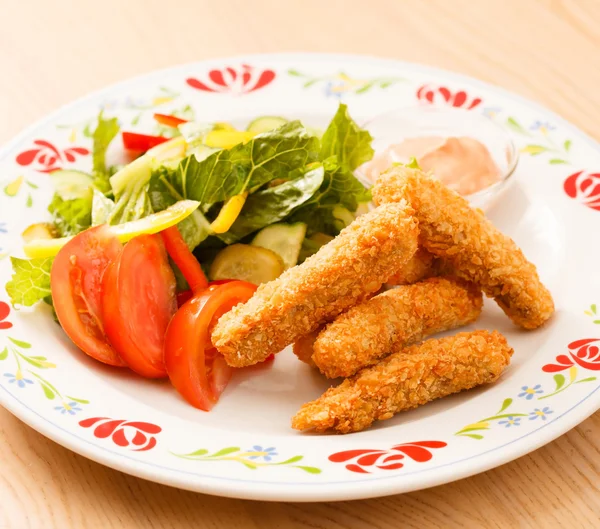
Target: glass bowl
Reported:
point(412, 122)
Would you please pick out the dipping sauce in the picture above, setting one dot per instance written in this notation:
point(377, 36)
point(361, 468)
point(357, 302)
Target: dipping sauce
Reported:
point(462, 163)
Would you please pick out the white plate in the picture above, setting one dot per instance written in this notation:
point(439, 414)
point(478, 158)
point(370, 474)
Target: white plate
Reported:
point(245, 447)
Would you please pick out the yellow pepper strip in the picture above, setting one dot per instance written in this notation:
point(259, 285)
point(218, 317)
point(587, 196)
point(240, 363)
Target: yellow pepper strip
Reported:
point(40, 248)
point(229, 212)
point(225, 139)
point(140, 169)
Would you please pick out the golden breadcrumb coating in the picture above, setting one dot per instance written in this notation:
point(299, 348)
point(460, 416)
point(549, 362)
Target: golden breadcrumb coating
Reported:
point(303, 347)
point(342, 273)
point(422, 265)
point(470, 244)
point(392, 320)
point(407, 379)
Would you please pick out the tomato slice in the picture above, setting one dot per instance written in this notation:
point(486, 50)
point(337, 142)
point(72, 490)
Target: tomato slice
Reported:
point(196, 369)
point(169, 120)
point(76, 285)
point(133, 141)
point(184, 259)
point(138, 302)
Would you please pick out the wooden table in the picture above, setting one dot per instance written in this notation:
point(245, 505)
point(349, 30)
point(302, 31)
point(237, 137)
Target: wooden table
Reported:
point(53, 52)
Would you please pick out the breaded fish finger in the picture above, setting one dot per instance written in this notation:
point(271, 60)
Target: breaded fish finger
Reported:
point(392, 320)
point(303, 346)
point(342, 273)
point(407, 379)
point(470, 244)
point(420, 266)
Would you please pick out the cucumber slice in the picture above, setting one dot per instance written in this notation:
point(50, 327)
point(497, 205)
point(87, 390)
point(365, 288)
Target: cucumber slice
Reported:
point(41, 230)
point(265, 124)
point(283, 239)
point(248, 263)
point(72, 184)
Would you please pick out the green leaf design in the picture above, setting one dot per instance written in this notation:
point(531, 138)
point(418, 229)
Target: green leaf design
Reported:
point(589, 379)
point(81, 401)
point(40, 364)
point(593, 308)
point(472, 430)
point(557, 161)
point(30, 282)
point(559, 380)
point(310, 470)
point(516, 126)
point(4, 354)
point(197, 453)
point(225, 451)
point(473, 435)
point(49, 394)
point(20, 343)
point(29, 202)
point(596, 321)
point(365, 88)
point(567, 145)
point(309, 83)
point(534, 150)
point(291, 460)
point(505, 404)
point(249, 465)
point(295, 73)
point(31, 184)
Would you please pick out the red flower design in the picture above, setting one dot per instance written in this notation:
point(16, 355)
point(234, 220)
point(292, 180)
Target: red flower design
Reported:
point(234, 80)
point(124, 433)
point(585, 188)
point(49, 158)
point(418, 451)
point(440, 94)
point(581, 352)
point(4, 312)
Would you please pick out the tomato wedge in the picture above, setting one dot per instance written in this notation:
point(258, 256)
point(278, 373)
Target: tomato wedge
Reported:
point(184, 259)
point(133, 141)
point(169, 120)
point(76, 285)
point(195, 368)
point(138, 302)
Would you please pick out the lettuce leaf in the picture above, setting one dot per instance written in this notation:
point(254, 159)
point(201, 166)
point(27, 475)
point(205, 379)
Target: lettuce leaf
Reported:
point(346, 140)
point(30, 282)
point(195, 228)
point(71, 216)
point(275, 203)
point(102, 206)
point(246, 166)
point(340, 190)
point(105, 132)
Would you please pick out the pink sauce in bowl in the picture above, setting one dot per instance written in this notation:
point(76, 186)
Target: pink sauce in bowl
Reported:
point(466, 150)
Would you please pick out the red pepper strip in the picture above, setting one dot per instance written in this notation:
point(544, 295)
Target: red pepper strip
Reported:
point(133, 141)
point(184, 259)
point(168, 120)
point(184, 296)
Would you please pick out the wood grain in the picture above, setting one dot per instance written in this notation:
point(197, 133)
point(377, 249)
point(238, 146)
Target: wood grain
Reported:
point(53, 52)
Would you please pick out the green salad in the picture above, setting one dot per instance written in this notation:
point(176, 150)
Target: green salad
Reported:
point(249, 203)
